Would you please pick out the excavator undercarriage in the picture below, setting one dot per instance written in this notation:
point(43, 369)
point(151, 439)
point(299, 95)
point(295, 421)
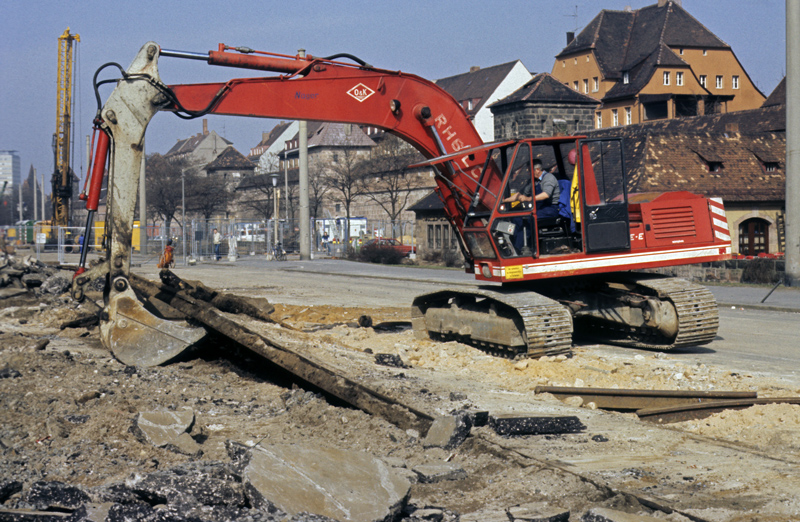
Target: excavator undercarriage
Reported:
point(632, 309)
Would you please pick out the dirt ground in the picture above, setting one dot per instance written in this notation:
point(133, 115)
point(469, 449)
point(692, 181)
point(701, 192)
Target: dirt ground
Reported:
point(67, 406)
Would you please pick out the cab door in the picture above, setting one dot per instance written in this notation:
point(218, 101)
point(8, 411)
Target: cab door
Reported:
point(605, 220)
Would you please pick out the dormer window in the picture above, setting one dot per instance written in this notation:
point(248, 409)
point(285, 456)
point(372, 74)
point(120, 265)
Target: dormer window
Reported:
point(714, 166)
point(771, 166)
point(626, 77)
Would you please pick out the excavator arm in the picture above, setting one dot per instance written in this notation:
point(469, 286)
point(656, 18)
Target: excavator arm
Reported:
point(306, 88)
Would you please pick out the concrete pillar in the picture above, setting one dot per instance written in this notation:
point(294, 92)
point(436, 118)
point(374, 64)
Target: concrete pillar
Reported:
point(305, 213)
point(792, 143)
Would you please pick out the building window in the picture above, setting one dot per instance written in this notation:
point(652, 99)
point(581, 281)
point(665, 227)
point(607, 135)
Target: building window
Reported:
point(626, 77)
point(714, 166)
point(705, 52)
point(678, 78)
point(666, 77)
point(735, 82)
point(563, 63)
point(430, 237)
point(719, 82)
point(596, 84)
point(754, 237)
point(599, 124)
point(680, 51)
point(614, 117)
point(586, 86)
point(770, 166)
point(576, 61)
point(628, 116)
point(703, 80)
point(575, 85)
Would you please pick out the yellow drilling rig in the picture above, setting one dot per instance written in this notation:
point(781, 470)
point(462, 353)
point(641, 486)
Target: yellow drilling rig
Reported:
point(62, 175)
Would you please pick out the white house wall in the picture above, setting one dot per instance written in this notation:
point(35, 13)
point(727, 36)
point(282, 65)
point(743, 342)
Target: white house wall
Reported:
point(484, 119)
point(270, 156)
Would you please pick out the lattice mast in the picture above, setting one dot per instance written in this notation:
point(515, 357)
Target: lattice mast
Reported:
point(62, 175)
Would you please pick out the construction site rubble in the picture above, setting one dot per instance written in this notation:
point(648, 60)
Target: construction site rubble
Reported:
point(450, 434)
point(20, 275)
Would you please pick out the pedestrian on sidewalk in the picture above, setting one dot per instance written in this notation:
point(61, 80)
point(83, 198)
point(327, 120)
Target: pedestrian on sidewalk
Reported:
point(217, 238)
point(167, 257)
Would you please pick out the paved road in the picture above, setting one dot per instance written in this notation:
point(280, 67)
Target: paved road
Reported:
point(753, 337)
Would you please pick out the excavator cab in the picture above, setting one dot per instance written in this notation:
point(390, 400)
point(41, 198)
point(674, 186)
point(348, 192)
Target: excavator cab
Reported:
point(591, 183)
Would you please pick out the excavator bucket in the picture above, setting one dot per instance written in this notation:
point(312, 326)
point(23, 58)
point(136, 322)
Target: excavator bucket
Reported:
point(138, 338)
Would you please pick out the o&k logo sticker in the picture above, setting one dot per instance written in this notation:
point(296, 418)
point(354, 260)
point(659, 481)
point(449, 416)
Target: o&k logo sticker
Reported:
point(361, 92)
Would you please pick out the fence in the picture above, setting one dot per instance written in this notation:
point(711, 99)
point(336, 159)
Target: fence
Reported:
point(238, 238)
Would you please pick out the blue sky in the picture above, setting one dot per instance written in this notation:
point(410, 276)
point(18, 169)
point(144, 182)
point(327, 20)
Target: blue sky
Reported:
point(433, 39)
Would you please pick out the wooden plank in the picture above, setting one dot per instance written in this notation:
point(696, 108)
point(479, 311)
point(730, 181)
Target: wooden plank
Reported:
point(273, 350)
point(633, 400)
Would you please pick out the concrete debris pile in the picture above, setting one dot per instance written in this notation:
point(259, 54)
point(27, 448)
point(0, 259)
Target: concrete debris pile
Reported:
point(21, 275)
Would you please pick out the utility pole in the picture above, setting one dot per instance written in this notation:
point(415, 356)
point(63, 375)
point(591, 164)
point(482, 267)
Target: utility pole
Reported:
point(305, 215)
point(142, 208)
point(44, 216)
point(792, 143)
point(35, 206)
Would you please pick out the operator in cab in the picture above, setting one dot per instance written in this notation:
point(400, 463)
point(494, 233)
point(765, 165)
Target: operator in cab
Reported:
point(547, 192)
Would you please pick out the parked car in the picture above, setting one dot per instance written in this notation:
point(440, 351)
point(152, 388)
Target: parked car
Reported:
point(391, 243)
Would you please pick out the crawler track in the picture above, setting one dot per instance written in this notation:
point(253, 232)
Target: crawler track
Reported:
point(503, 322)
point(698, 315)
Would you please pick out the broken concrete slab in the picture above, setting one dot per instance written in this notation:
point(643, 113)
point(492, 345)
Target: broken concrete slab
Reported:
point(166, 428)
point(485, 515)
point(340, 484)
point(9, 487)
point(538, 512)
point(55, 495)
point(6, 293)
point(535, 424)
point(611, 515)
point(448, 432)
point(430, 473)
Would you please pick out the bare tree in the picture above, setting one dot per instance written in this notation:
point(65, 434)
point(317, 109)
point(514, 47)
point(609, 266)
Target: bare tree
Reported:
point(164, 185)
point(389, 182)
point(342, 177)
point(207, 196)
point(257, 195)
point(317, 189)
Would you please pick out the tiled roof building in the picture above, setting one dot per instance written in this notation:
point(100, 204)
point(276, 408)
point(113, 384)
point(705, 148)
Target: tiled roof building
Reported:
point(200, 149)
point(480, 87)
point(542, 107)
point(738, 156)
point(657, 62)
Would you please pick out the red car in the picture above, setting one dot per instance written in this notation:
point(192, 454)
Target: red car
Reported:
point(391, 243)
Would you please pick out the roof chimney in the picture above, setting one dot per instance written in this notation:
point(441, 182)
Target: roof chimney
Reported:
point(662, 3)
point(264, 136)
point(474, 68)
point(205, 127)
point(570, 37)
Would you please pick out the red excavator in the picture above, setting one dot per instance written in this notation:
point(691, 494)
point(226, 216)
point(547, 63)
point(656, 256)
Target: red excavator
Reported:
point(581, 265)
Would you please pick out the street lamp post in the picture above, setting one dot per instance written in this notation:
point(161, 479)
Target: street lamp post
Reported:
point(183, 216)
point(274, 177)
